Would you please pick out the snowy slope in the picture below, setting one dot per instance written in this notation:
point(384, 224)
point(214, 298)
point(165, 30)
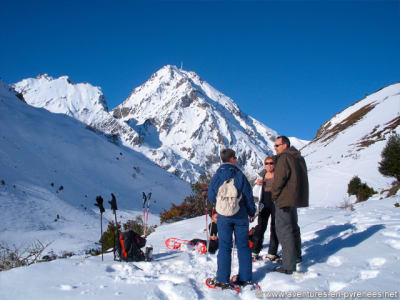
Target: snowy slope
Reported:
point(188, 122)
point(350, 144)
point(344, 252)
point(54, 165)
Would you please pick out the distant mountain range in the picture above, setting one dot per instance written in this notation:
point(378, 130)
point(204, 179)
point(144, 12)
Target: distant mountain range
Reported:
point(176, 119)
point(180, 122)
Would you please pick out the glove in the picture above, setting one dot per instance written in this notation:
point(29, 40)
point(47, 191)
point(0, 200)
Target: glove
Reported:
point(99, 204)
point(113, 202)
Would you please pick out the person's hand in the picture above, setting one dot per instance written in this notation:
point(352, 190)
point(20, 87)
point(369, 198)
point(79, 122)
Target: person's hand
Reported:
point(213, 237)
point(259, 181)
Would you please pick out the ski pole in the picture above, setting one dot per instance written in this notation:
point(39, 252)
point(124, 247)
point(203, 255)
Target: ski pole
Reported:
point(207, 229)
point(144, 212)
point(99, 204)
point(113, 203)
point(148, 209)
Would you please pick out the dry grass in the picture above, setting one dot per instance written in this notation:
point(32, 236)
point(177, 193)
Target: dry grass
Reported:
point(378, 135)
point(13, 256)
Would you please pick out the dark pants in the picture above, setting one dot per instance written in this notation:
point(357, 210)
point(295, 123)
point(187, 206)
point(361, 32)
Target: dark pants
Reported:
point(288, 232)
point(226, 227)
point(258, 237)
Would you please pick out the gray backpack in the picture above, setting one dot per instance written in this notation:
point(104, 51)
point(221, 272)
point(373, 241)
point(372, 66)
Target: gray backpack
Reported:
point(228, 199)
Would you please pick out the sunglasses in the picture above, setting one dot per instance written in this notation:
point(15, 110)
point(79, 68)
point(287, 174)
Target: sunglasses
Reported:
point(276, 146)
point(269, 164)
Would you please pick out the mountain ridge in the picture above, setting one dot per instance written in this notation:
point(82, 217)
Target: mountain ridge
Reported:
point(175, 118)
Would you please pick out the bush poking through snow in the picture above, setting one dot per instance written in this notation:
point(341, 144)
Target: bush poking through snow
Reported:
point(108, 236)
point(354, 185)
point(138, 226)
point(13, 257)
point(347, 204)
point(361, 190)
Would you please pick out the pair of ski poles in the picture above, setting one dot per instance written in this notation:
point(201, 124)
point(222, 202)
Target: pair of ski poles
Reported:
point(99, 204)
point(146, 204)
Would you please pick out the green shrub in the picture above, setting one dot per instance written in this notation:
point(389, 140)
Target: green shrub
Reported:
point(108, 236)
point(137, 226)
point(390, 163)
point(354, 185)
point(361, 190)
point(364, 192)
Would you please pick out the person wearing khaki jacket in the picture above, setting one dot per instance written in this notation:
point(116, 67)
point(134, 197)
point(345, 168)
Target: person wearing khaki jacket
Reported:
point(289, 191)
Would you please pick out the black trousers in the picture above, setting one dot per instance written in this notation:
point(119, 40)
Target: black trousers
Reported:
point(288, 232)
point(258, 237)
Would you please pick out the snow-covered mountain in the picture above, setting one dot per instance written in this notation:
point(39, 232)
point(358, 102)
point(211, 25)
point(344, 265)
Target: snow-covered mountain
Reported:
point(51, 164)
point(81, 101)
point(350, 144)
point(188, 121)
point(175, 119)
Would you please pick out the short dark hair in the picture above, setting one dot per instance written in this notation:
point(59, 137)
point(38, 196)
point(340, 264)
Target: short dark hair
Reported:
point(270, 157)
point(285, 140)
point(227, 154)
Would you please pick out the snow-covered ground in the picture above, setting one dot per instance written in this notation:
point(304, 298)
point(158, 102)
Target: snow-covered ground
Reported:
point(343, 252)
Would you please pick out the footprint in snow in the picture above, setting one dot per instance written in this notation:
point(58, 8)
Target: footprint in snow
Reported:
point(110, 269)
point(173, 278)
point(67, 287)
point(335, 286)
point(391, 234)
point(376, 262)
point(393, 243)
point(335, 261)
point(368, 274)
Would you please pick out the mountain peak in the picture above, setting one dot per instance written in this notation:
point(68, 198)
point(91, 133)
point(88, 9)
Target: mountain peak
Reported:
point(61, 95)
point(190, 122)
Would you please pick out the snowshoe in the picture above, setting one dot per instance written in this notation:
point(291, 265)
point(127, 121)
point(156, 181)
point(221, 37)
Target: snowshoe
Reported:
point(272, 258)
point(176, 244)
point(212, 283)
point(256, 257)
point(237, 282)
point(181, 245)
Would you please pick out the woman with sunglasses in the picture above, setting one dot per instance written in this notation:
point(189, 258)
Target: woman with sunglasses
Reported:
point(267, 209)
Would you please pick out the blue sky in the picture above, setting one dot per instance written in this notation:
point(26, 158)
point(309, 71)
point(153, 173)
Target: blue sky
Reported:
point(290, 64)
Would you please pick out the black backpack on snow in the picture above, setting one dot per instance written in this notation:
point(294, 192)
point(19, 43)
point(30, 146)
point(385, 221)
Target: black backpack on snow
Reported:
point(127, 246)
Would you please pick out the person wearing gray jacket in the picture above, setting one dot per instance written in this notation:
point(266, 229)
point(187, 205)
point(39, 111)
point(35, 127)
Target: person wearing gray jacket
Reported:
point(289, 191)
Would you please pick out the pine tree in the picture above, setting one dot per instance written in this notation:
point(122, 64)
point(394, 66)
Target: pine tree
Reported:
point(354, 185)
point(390, 163)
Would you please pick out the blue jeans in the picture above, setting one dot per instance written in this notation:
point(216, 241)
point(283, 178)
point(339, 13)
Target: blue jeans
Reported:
point(226, 227)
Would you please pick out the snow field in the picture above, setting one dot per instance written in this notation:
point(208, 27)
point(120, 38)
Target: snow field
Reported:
point(343, 251)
